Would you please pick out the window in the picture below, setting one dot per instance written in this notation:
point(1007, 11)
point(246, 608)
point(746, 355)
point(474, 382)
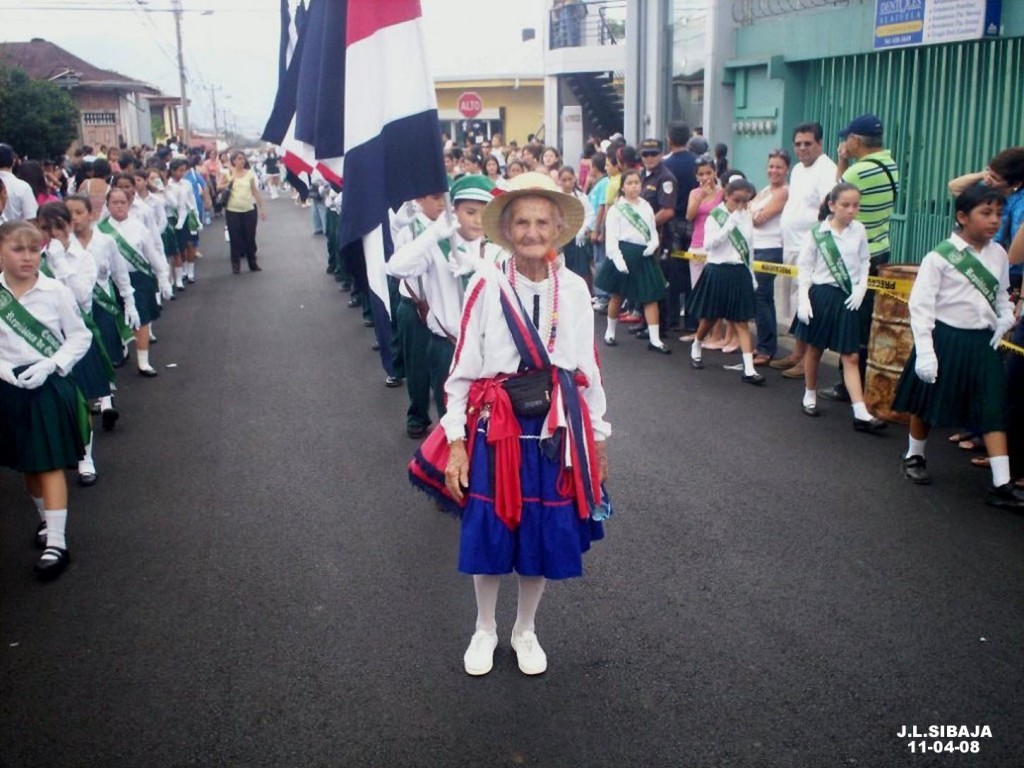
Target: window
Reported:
point(99, 118)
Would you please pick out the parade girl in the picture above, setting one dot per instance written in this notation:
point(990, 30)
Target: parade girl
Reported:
point(959, 311)
point(183, 216)
point(67, 261)
point(631, 238)
point(726, 286)
point(577, 252)
point(833, 281)
point(147, 270)
point(116, 325)
point(43, 418)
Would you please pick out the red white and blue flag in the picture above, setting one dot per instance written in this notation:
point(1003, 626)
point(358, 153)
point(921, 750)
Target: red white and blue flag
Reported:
point(362, 99)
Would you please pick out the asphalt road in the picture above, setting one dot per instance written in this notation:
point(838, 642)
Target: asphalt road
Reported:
point(255, 583)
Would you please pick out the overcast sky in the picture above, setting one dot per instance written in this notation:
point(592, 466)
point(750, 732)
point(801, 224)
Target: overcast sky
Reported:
point(235, 47)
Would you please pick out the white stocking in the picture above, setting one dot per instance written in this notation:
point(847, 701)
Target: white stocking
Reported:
point(486, 588)
point(531, 589)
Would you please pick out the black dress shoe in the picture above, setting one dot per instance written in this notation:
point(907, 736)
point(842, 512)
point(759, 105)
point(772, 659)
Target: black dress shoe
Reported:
point(54, 561)
point(696, 363)
point(915, 470)
point(109, 419)
point(811, 410)
point(87, 479)
point(651, 346)
point(1005, 496)
point(837, 393)
point(611, 342)
point(755, 378)
point(416, 431)
point(40, 540)
point(255, 269)
point(149, 373)
point(641, 333)
point(353, 302)
point(368, 323)
point(392, 382)
point(871, 425)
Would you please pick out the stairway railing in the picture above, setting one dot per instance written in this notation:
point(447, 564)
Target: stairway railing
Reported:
point(584, 24)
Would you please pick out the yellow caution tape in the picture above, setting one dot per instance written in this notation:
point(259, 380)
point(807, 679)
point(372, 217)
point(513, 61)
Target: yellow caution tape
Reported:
point(897, 289)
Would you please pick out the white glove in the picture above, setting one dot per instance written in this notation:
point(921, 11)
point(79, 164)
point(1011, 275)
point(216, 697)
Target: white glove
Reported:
point(131, 317)
point(405, 215)
point(165, 287)
point(7, 374)
point(804, 312)
point(36, 374)
point(445, 226)
point(582, 238)
point(855, 299)
point(461, 264)
point(620, 264)
point(1003, 324)
point(650, 249)
point(926, 366)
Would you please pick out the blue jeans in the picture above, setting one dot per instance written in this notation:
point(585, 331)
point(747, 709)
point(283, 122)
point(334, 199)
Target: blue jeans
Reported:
point(764, 304)
point(599, 259)
point(319, 216)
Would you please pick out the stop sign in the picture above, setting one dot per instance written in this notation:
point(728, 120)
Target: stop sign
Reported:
point(470, 104)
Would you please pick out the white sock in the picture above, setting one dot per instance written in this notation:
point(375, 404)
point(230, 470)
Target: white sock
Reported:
point(531, 589)
point(143, 356)
point(748, 364)
point(612, 326)
point(915, 447)
point(655, 334)
point(190, 269)
point(106, 403)
point(1000, 466)
point(486, 588)
point(178, 272)
point(40, 509)
point(56, 520)
point(811, 398)
point(860, 412)
point(87, 464)
point(695, 348)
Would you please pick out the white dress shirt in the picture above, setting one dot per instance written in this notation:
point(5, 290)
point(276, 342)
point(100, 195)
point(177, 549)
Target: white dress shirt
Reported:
point(852, 243)
point(110, 265)
point(21, 200)
point(941, 293)
point(717, 244)
point(53, 305)
point(138, 237)
point(75, 267)
point(487, 349)
point(808, 187)
point(617, 228)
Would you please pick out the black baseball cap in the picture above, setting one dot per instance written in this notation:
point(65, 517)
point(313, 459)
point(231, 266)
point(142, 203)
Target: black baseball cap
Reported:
point(650, 147)
point(865, 125)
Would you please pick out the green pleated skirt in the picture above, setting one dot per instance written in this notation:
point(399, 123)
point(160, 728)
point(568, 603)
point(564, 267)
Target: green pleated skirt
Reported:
point(609, 279)
point(91, 375)
point(43, 429)
point(170, 240)
point(970, 388)
point(832, 325)
point(645, 282)
point(145, 296)
point(578, 258)
point(723, 292)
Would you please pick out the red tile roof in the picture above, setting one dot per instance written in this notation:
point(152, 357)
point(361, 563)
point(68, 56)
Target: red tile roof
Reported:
point(42, 60)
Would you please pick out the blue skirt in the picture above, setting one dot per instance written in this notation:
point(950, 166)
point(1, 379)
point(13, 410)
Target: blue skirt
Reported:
point(145, 297)
point(551, 537)
point(90, 374)
point(42, 429)
point(109, 333)
point(723, 292)
point(832, 325)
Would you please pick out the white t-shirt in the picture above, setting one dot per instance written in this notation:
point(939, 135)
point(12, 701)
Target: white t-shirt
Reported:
point(808, 187)
point(21, 201)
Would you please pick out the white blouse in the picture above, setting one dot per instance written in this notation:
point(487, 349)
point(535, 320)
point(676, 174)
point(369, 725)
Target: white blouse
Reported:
point(138, 237)
point(717, 244)
point(53, 305)
point(486, 349)
point(941, 293)
point(75, 268)
point(617, 228)
point(852, 243)
point(110, 265)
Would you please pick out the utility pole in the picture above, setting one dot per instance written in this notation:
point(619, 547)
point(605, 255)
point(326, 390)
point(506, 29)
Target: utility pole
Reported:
point(181, 74)
point(213, 95)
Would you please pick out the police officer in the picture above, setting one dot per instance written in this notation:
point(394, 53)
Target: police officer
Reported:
point(659, 189)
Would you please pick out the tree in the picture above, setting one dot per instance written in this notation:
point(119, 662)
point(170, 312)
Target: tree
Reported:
point(37, 118)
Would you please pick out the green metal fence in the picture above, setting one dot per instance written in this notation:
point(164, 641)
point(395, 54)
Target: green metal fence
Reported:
point(946, 110)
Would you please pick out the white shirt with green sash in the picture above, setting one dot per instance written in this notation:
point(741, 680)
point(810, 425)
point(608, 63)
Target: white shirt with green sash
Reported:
point(54, 306)
point(944, 293)
point(136, 236)
point(718, 242)
point(630, 223)
point(852, 245)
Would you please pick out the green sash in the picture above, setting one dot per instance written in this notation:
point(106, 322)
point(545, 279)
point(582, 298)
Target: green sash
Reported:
point(833, 259)
point(635, 219)
point(25, 325)
point(108, 304)
point(735, 236)
point(446, 249)
point(968, 265)
point(44, 267)
point(192, 223)
point(130, 254)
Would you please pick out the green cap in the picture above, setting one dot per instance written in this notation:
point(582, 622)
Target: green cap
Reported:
point(473, 186)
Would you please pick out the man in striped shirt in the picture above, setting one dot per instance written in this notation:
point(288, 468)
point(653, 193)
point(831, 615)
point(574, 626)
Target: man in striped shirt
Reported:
point(865, 163)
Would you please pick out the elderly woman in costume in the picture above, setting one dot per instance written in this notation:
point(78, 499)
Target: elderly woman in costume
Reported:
point(521, 453)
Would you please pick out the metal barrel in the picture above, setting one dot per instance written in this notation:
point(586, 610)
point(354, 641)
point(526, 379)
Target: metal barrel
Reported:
point(889, 347)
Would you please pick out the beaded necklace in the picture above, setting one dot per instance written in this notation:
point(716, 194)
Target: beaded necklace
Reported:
point(550, 329)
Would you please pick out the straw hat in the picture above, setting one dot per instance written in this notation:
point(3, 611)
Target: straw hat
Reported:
point(536, 184)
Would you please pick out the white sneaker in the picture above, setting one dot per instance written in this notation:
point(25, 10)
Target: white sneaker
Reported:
point(531, 657)
point(479, 657)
